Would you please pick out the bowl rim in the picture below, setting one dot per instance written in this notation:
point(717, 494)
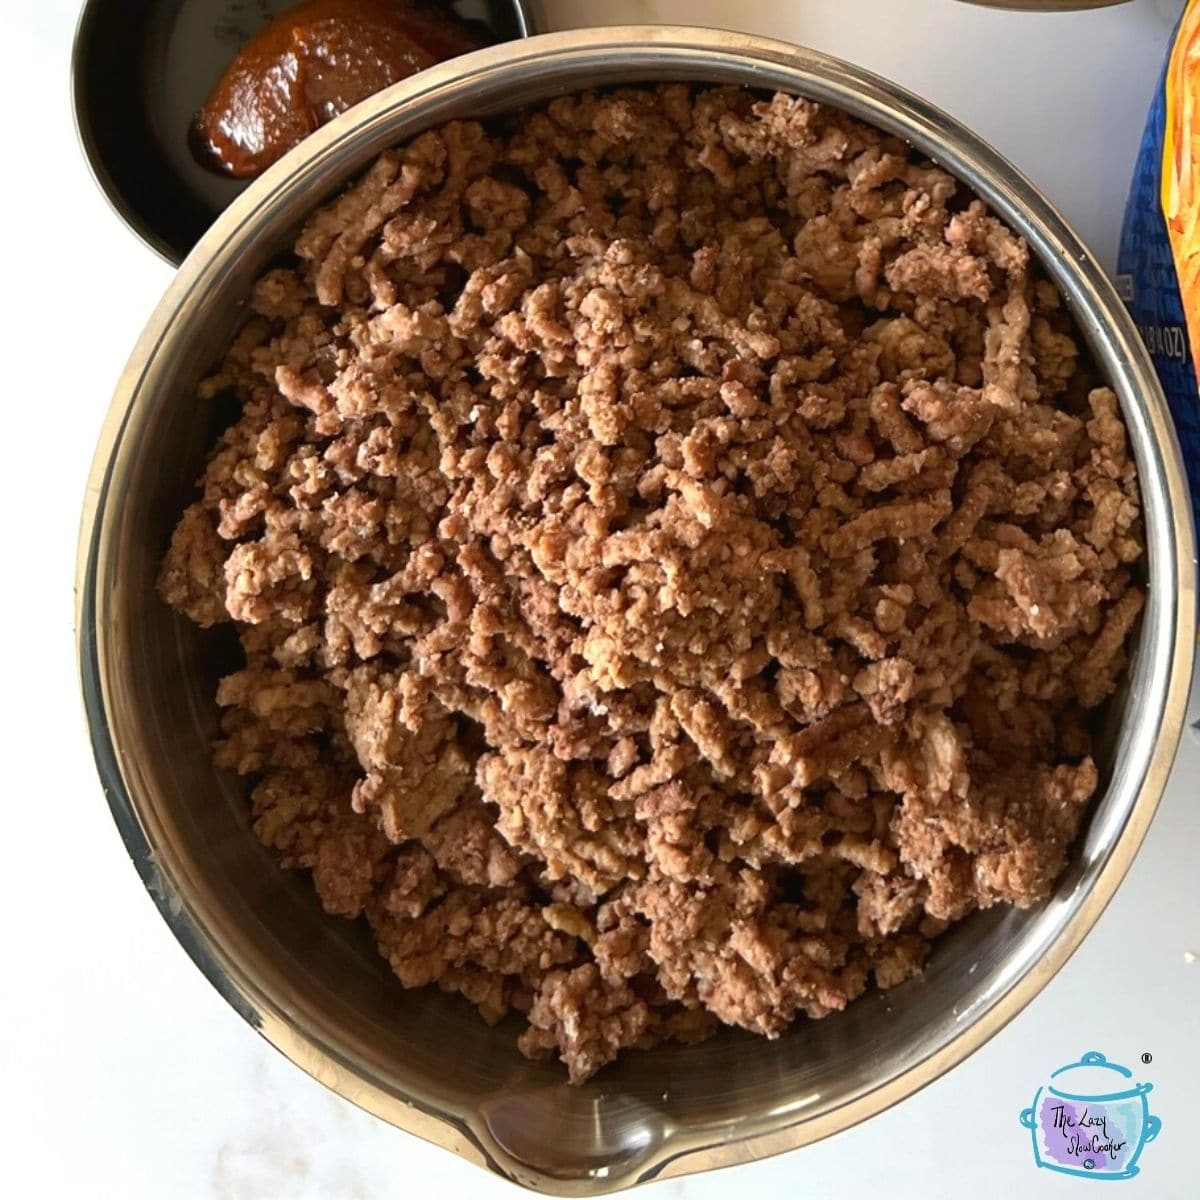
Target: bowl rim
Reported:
point(1169, 626)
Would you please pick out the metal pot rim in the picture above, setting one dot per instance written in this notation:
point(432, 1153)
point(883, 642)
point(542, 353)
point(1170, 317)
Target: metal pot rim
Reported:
point(1161, 676)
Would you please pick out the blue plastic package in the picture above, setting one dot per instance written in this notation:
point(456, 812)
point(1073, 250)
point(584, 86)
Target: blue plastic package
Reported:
point(1158, 268)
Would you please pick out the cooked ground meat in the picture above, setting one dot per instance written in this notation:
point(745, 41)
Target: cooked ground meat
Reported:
point(676, 540)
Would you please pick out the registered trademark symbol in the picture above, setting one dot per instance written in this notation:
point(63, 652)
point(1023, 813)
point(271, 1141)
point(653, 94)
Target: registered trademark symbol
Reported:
point(1147, 1057)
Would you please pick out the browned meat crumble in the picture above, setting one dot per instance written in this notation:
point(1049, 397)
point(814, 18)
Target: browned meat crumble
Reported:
point(676, 541)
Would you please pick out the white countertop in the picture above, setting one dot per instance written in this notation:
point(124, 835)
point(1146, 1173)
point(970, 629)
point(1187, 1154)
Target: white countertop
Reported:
point(123, 1074)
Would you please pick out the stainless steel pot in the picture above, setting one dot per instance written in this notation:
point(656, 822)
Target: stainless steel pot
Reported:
point(314, 986)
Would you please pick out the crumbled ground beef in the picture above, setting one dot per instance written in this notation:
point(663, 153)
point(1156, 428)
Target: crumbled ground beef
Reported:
point(676, 541)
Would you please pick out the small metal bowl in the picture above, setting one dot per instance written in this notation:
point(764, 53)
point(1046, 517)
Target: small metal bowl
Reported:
point(142, 69)
point(314, 986)
point(1046, 5)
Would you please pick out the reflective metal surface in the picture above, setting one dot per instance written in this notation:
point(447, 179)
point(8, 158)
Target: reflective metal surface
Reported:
point(313, 985)
point(1046, 5)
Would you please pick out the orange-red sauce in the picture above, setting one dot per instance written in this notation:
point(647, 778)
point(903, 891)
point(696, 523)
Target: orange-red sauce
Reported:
point(312, 63)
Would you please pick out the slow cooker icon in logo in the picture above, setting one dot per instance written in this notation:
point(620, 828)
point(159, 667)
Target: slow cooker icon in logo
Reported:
point(1091, 1119)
